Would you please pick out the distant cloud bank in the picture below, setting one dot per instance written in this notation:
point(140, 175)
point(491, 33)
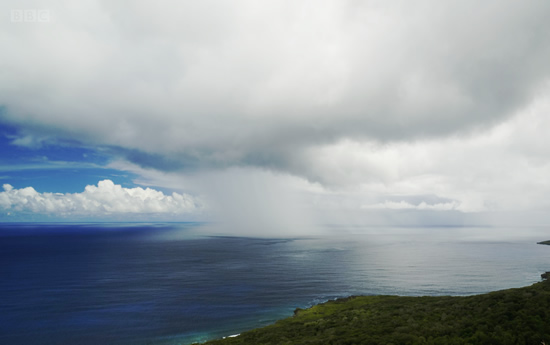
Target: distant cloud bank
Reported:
point(106, 198)
point(403, 205)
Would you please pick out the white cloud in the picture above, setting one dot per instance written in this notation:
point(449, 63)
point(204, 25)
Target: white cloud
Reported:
point(359, 101)
point(106, 198)
point(403, 205)
point(505, 168)
point(216, 83)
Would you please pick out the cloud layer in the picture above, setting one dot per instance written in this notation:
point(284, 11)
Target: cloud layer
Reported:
point(176, 85)
point(424, 106)
point(102, 200)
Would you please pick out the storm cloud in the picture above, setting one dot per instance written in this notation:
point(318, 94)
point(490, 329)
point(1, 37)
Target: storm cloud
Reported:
point(216, 83)
point(371, 99)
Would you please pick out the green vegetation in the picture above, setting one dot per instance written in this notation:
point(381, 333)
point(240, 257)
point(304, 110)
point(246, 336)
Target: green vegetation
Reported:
point(514, 316)
point(544, 242)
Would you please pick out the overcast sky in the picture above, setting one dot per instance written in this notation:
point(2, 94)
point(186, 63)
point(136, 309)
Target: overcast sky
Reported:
point(277, 112)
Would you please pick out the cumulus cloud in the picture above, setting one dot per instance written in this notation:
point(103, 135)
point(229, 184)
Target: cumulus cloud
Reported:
point(106, 198)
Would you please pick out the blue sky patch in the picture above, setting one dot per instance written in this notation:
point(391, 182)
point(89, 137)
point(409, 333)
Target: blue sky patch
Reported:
point(55, 166)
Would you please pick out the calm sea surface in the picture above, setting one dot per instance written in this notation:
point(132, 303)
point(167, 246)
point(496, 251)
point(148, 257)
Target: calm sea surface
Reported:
point(174, 284)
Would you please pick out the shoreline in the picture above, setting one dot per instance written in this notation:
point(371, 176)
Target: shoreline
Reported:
point(516, 312)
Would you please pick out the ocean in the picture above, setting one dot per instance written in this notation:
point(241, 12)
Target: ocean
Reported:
point(178, 283)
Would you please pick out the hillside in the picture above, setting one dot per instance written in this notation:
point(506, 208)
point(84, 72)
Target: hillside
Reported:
point(514, 316)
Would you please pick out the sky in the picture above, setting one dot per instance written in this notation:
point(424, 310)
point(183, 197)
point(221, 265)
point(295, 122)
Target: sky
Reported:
point(267, 114)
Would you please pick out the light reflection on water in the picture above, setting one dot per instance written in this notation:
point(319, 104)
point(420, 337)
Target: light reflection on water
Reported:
point(171, 283)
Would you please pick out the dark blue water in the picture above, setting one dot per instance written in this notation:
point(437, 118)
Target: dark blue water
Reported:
point(175, 284)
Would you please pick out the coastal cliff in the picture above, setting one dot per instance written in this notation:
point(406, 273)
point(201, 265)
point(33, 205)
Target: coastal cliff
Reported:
point(514, 316)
